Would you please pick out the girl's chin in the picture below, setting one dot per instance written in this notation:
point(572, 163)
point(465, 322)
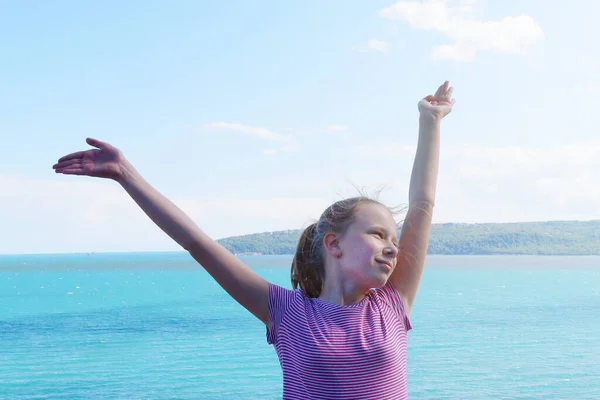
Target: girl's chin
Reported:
point(378, 282)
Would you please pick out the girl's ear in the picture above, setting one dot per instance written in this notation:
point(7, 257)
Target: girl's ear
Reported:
point(331, 243)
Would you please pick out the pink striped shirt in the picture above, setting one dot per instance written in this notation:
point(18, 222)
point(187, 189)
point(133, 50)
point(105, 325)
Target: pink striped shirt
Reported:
point(328, 351)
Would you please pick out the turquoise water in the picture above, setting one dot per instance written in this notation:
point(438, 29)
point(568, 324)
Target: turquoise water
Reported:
point(155, 326)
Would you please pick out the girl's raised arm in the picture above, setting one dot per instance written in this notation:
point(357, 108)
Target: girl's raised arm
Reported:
point(106, 161)
point(414, 237)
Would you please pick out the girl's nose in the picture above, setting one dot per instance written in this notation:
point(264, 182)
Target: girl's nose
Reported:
point(390, 251)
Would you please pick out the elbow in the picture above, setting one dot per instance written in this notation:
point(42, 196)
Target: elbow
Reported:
point(197, 245)
point(423, 199)
point(422, 195)
point(191, 247)
point(422, 206)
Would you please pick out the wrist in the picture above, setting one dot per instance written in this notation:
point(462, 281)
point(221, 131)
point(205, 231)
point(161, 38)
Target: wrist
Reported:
point(429, 126)
point(429, 119)
point(126, 172)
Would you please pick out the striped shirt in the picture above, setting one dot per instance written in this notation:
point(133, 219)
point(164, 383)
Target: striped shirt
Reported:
point(328, 351)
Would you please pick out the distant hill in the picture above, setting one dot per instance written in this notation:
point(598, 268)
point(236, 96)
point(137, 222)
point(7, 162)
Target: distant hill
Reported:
point(535, 238)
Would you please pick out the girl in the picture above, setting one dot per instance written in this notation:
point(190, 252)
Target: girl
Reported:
point(342, 332)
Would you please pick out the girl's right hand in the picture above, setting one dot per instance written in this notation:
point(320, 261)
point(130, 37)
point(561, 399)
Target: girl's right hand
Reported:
point(105, 161)
point(242, 283)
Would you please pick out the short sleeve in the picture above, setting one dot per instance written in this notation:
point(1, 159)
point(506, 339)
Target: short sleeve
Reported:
point(390, 295)
point(279, 302)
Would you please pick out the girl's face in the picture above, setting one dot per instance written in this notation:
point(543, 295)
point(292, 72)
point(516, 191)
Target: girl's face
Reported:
point(369, 248)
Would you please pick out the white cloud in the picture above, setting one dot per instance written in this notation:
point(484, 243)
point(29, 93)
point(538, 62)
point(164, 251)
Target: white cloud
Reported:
point(67, 214)
point(79, 214)
point(387, 150)
point(377, 45)
point(280, 207)
point(593, 88)
point(337, 128)
point(476, 184)
point(287, 141)
point(258, 132)
point(506, 183)
point(374, 45)
point(591, 61)
point(467, 5)
point(507, 35)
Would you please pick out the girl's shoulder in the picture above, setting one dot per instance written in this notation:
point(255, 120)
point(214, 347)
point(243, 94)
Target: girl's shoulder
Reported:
point(283, 297)
point(390, 297)
point(282, 302)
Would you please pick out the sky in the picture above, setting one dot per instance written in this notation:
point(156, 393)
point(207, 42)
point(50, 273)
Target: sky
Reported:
point(255, 116)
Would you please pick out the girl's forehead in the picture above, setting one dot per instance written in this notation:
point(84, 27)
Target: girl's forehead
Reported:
point(373, 213)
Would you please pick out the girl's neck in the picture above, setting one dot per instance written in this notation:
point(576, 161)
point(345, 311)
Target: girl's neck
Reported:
point(341, 292)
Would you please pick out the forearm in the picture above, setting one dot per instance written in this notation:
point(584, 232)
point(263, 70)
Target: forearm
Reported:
point(161, 210)
point(423, 180)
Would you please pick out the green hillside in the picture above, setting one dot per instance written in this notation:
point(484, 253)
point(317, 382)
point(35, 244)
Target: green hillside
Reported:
point(539, 238)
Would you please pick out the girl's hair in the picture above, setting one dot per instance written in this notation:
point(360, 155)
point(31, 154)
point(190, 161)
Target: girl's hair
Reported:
point(308, 265)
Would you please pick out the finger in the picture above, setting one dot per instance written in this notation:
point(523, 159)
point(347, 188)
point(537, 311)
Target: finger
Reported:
point(449, 92)
point(73, 166)
point(71, 171)
point(441, 90)
point(64, 164)
point(77, 155)
point(97, 143)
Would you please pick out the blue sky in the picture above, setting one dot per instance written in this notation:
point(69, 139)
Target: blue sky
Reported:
point(254, 116)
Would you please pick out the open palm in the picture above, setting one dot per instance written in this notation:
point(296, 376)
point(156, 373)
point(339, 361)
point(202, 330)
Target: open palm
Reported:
point(104, 162)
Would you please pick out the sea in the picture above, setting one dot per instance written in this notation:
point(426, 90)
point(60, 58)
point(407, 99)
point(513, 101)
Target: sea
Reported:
point(157, 326)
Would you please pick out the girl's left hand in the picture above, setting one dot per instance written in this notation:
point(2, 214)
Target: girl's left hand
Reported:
point(439, 105)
